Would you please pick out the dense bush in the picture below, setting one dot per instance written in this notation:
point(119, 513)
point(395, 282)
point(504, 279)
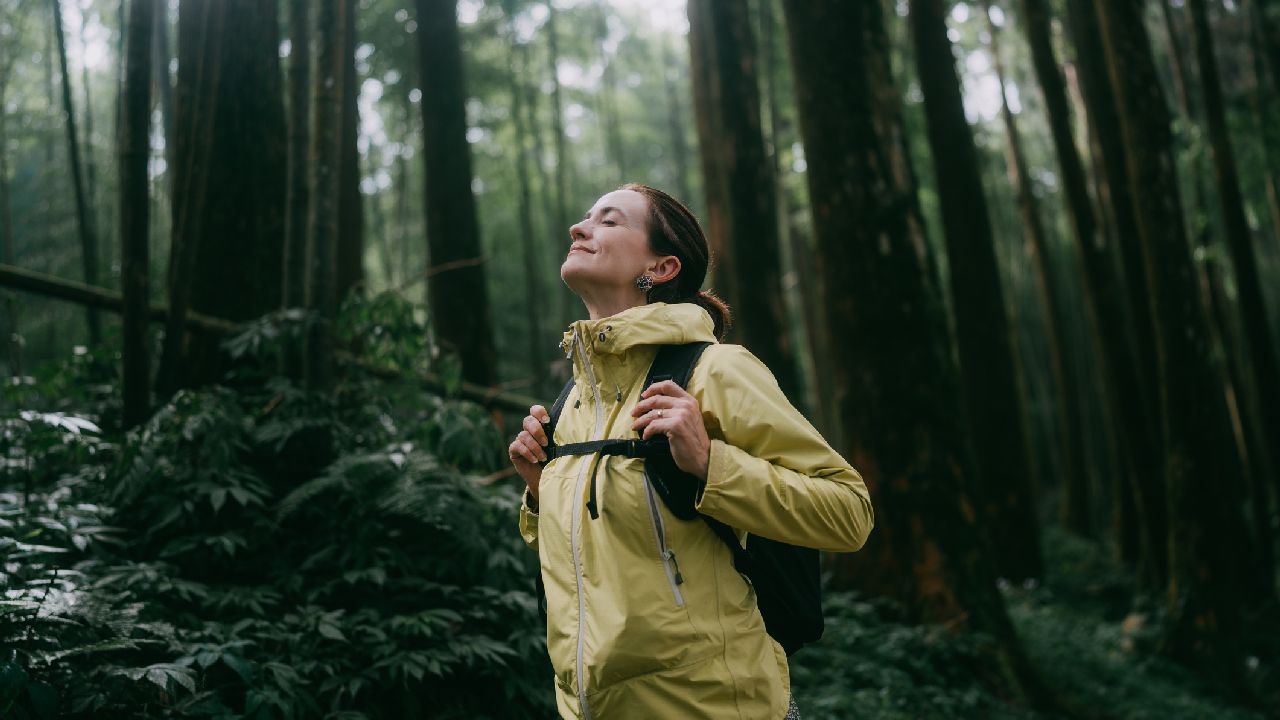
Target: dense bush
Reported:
point(266, 552)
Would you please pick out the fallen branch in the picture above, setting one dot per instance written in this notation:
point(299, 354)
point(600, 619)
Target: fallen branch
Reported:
point(72, 291)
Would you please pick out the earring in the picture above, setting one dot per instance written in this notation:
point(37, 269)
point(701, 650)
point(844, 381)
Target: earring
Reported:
point(644, 282)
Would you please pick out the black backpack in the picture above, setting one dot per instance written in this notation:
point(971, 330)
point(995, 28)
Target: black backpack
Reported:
point(786, 577)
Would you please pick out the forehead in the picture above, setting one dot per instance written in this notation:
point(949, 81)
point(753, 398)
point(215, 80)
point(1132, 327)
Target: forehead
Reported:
point(630, 202)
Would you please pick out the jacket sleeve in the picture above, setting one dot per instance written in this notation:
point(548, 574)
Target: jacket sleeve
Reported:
point(771, 473)
point(529, 520)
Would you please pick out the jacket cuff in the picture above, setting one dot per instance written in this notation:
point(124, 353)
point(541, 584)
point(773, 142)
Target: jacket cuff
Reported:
point(719, 467)
point(529, 520)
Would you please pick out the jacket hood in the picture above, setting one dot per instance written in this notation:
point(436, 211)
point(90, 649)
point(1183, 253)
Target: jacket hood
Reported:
point(657, 323)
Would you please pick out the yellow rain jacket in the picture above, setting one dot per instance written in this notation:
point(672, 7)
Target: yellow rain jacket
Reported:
point(647, 617)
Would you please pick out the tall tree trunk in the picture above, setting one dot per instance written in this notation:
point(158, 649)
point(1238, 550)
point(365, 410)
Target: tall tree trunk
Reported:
point(1262, 355)
point(326, 165)
point(802, 310)
point(90, 165)
point(993, 408)
point(747, 187)
point(459, 299)
point(1262, 101)
point(350, 239)
point(563, 191)
point(615, 148)
point(1101, 287)
point(679, 149)
point(702, 69)
point(900, 406)
point(13, 348)
point(297, 193)
point(1135, 358)
point(88, 241)
point(1266, 15)
point(528, 241)
point(135, 207)
point(1205, 527)
point(1076, 496)
point(229, 180)
point(163, 90)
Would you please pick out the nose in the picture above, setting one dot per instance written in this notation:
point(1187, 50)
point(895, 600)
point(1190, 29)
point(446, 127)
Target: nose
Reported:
point(578, 231)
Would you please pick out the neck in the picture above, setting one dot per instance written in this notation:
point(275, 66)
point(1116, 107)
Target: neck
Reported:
point(605, 305)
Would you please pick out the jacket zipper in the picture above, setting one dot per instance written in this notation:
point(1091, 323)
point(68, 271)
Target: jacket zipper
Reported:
point(576, 519)
point(674, 578)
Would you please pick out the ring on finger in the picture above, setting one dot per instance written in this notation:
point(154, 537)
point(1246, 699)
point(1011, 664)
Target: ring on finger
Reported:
point(659, 412)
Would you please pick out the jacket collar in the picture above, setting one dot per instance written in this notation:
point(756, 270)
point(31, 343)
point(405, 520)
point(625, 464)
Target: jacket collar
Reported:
point(657, 323)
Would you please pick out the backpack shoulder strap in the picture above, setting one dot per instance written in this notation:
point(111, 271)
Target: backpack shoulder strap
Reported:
point(556, 408)
point(675, 362)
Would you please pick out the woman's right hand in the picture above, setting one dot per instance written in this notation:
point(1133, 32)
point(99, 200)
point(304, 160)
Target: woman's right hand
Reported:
point(526, 450)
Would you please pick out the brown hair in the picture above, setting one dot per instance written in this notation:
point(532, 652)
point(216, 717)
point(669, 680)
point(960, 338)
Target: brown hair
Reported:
point(673, 230)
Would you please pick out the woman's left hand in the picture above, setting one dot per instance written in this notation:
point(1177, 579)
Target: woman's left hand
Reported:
point(666, 408)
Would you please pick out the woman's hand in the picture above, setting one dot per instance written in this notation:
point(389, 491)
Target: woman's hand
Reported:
point(526, 450)
point(666, 408)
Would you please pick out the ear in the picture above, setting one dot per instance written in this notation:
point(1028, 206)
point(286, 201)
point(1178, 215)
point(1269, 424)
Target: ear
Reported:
point(665, 269)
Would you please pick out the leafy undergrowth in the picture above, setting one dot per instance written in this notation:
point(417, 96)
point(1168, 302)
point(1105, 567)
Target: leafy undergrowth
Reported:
point(1094, 647)
point(263, 552)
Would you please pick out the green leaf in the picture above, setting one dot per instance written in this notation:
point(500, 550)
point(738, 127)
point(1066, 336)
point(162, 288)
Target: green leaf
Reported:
point(331, 631)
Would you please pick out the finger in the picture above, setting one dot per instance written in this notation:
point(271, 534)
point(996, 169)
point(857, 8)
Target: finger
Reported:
point(517, 452)
point(534, 428)
point(534, 447)
point(659, 426)
point(652, 416)
point(657, 401)
point(540, 413)
point(666, 387)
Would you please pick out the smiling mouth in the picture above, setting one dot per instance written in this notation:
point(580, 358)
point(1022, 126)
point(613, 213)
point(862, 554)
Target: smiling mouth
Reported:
point(573, 250)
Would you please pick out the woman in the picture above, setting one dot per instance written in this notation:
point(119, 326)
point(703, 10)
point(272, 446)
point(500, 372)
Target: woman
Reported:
point(647, 617)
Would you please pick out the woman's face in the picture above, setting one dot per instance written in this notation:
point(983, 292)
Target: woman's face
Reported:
point(610, 248)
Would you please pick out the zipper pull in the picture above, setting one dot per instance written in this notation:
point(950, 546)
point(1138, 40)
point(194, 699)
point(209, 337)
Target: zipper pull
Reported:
point(675, 566)
point(618, 397)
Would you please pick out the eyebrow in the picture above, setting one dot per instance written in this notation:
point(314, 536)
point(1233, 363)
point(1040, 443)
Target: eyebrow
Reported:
point(605, 210)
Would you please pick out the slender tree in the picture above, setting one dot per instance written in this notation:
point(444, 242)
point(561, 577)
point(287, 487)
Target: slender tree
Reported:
point(458, 297)
point(899, 405)
point(746, 185)
point(1133, 353)
point(135, 206)
point(993, 407)
point(13, 348)
point(88, 240)
point(528, 241)
point(325, 162)
point(350, 239)
point(1262, 354)
point(563, 192)
point(297, 193)
point(1205, 527)
point(702, 66)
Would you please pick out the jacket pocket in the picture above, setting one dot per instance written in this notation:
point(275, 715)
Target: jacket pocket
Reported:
point(668, 556)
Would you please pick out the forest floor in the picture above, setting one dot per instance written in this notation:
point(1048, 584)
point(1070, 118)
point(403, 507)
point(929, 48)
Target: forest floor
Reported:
point(1093, 645)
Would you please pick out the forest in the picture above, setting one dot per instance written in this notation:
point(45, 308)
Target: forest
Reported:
point(280, 280)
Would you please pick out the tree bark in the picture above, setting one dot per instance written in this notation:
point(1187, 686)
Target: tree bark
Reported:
point(563, 191)
point(528, 242)
point(298, 190)
point(350, 239)
point(459, 300)
point(1205, 527)
point(88, 241)
point(900, 406)
point(13, 348)
point(1262, 355)
point(1133, 358)
point(992, 405)
point(326, 165)
point(702, 69)
point(1266, 15)
point(750, 225)
point(1075, 510)
point(229, 179)
point(135, 206)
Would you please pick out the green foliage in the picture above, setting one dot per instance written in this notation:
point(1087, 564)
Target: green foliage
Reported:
point(268, 552)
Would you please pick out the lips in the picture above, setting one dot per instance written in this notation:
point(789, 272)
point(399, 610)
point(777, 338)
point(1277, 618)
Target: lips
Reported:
point(581, 248)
